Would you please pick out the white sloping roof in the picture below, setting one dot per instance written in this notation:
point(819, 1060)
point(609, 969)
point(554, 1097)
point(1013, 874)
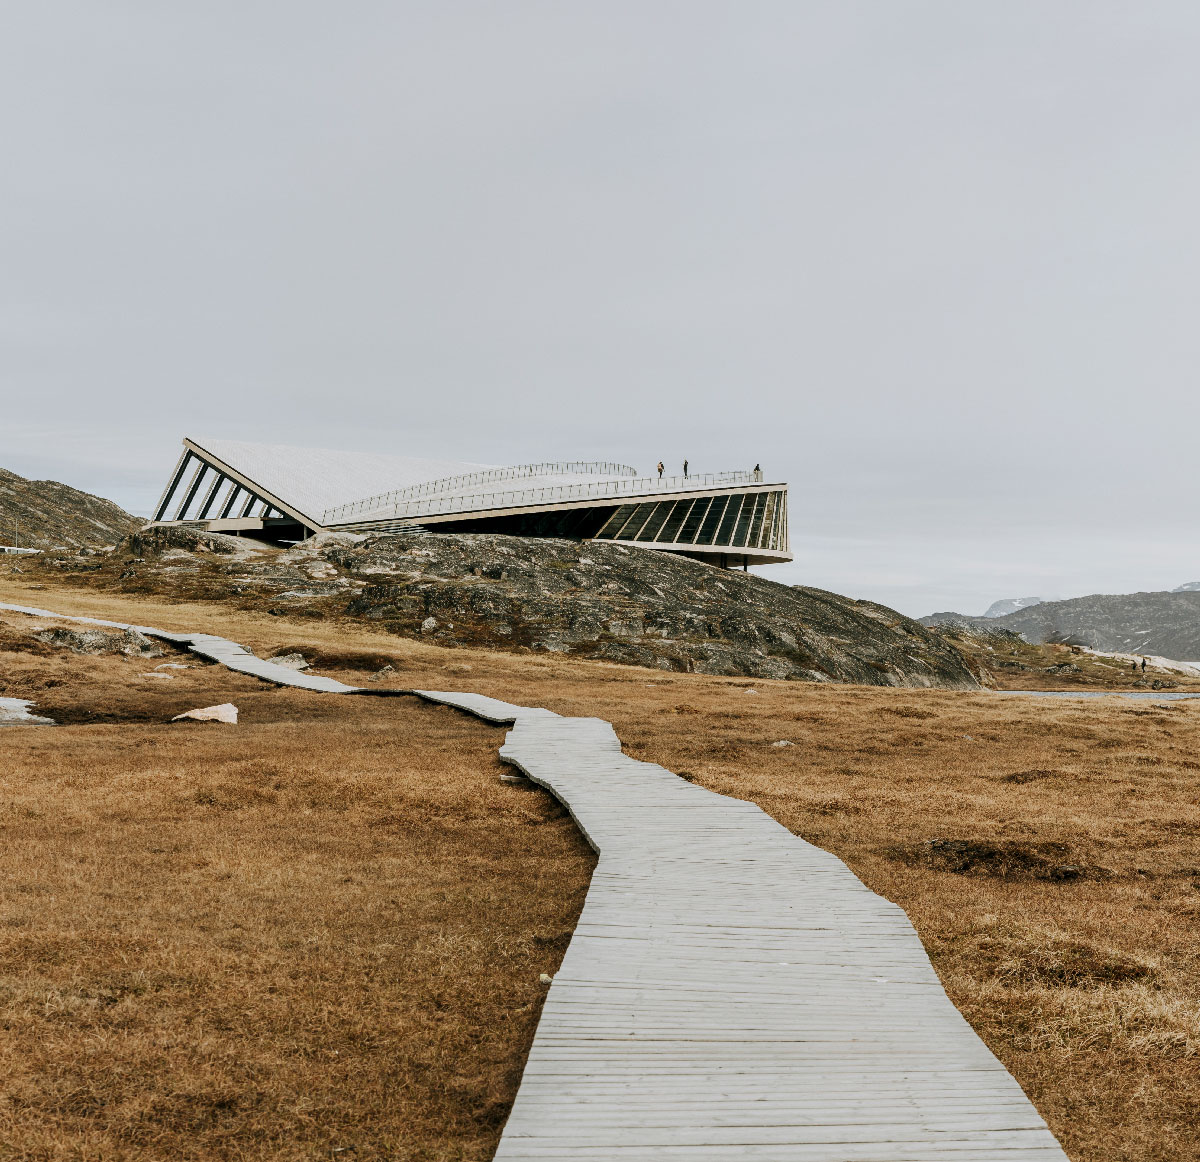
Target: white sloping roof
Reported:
point(311, 480)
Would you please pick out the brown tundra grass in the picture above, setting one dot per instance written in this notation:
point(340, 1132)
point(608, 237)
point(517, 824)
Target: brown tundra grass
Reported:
point(327, 932)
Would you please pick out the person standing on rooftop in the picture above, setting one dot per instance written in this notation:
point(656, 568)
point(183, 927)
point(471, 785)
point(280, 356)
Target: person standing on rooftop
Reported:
point(685, 470)
point(661, 469)
point(757, 471)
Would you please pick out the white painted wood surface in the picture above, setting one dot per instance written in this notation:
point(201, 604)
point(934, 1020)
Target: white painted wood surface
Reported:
point(731, 991)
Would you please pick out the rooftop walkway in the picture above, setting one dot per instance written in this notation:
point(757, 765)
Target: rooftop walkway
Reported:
point(730, 992)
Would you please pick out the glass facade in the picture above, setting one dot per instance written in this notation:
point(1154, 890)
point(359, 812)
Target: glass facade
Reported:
point(752, 520)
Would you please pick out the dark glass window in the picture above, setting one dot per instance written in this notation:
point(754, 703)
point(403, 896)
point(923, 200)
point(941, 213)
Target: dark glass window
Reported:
point(768, 523)
point(756, 525)
point(712, 520)
point(670, 529)
point(739, 535)
point(756, 522)
point(662, 510)
point(693, 520)
point(729, 520)
point(618, 519)
point(633, 530)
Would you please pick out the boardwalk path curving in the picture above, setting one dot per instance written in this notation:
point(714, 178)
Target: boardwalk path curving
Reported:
point(730, 992)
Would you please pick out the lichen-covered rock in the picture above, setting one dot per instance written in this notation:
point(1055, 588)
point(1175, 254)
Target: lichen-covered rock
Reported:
point(637, 606)
point(129, 642)
point(585, 599)
point(165, 539)
point(292, 661)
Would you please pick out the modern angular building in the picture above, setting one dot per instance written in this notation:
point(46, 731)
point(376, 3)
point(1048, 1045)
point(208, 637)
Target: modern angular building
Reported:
point(280, 493)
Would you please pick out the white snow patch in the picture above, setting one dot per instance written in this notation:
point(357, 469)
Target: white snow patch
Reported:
point(15, 712)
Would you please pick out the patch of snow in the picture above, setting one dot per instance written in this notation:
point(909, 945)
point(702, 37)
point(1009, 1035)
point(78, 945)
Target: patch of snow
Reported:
point(15, 712)
point(1012, 604)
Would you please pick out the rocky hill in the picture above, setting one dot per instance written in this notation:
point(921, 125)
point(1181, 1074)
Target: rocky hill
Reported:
point(588, 599)
point(1166, 624)
point(43, 513)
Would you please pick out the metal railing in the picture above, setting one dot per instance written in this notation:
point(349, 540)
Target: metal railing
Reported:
point(466, 480)
point(552, 494)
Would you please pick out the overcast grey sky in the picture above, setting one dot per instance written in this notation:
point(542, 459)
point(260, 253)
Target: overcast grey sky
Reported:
point(933, 263)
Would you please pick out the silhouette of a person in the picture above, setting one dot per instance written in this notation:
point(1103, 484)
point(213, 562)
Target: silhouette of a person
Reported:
point(661, 469)
point(1143, 665)
point(685, 470)
point(757, 471)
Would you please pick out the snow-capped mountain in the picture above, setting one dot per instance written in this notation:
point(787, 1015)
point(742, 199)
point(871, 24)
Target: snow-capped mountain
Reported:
point(1012, 604)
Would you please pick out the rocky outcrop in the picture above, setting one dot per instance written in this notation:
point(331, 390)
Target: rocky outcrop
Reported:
point(43, 513)
point(129, 642)
point(584, 599)
point(636, 606)
point(1165, 624)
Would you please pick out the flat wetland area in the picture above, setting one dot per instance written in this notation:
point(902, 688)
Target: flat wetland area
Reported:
point(319, 933)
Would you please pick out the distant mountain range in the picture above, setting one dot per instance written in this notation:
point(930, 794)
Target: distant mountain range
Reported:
point(1164, 623)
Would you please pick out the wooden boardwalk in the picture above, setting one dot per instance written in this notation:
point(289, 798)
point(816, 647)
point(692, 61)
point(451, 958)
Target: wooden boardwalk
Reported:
point(731, 992)
point(217, 649)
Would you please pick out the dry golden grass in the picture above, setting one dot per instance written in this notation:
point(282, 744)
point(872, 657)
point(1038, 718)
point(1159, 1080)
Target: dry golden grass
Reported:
point(318, 931)
point(1061, 911)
